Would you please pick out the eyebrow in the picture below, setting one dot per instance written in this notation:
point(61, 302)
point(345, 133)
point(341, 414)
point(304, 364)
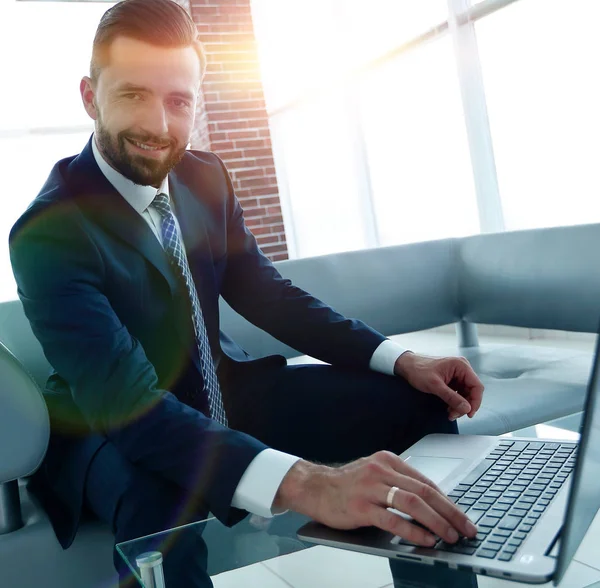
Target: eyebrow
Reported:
point(127, 87)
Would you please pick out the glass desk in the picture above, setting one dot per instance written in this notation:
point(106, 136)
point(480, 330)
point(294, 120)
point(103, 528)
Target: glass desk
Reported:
point(251, 541)
point(256, 540)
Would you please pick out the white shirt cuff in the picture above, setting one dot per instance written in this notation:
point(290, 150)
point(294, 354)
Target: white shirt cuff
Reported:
point(385, 356)
point(258, 486)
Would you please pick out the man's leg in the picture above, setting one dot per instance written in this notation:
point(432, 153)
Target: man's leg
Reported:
point(136, 503)
point(331, 415)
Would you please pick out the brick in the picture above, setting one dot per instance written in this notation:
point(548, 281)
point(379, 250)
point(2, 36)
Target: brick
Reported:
point(260, 182)
point(235, 9)
point(219, 116)
point(279, 256)
point(259, 143)
point(265, 161)
point(222, 145)
point(234, 55)
point(209, 38)
point(243, 67)
point(210, 97)
point(249, 203)
point(220, 106)
point(219, 137)
point(269, 200)
point(267, 240)
point(262, 152)
point(253, 172)
point(271, 219)
point(241, 94)
point(254, 212)
point(261, 230)
point(237, 135)
point(238, 164)
point(257, 192)
point(230, 154)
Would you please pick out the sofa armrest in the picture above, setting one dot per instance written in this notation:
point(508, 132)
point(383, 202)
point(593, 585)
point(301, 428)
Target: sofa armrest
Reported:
point(24, 420)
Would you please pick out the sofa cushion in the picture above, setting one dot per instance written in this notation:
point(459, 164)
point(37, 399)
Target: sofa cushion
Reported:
point(526, 385)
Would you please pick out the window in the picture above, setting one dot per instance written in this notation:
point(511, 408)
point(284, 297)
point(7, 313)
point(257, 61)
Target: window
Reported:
point(46, 51)
point(307, 45)
point(417, 148)
point(315, 146)
point(363, 149)
point(543, 96)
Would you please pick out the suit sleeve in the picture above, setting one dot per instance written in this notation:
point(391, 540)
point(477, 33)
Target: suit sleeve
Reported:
point(256, 290)
point(59, 273)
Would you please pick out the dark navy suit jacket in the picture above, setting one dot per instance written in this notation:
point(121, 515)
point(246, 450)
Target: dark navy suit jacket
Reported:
point(115, 324)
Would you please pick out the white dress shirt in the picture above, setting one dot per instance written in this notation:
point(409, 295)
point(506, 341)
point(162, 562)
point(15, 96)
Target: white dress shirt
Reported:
point(258, 485)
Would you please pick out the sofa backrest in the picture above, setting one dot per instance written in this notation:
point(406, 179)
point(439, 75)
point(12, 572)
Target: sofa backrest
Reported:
point(395, 290)
point(543, 279)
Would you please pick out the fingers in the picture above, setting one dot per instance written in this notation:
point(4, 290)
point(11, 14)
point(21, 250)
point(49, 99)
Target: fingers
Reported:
point(425, 502)
point(471, 384)
point(453, 399)
point(392, 523)
point(441, 515)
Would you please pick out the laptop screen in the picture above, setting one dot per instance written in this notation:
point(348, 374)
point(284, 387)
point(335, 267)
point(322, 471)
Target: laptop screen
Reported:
point(584, 499)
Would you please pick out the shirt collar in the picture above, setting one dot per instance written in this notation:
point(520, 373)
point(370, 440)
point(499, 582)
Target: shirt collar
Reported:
point(139, 197)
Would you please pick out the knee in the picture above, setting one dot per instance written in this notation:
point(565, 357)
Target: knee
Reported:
point(429, 416)
point(152, 504)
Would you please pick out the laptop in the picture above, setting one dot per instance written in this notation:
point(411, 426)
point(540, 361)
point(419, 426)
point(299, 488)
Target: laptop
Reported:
point(532, 500)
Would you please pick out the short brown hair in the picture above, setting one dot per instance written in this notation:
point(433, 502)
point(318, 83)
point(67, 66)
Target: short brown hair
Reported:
point(158, 22)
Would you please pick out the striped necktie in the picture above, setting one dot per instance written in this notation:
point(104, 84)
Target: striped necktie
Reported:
point(178, 259)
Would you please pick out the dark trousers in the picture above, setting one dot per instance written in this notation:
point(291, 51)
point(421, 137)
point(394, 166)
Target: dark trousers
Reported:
point(320, 413)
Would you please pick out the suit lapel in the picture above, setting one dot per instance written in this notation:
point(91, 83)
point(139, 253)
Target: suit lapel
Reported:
point(100, 201)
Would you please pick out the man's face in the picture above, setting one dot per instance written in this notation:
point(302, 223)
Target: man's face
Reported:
point(143, 104)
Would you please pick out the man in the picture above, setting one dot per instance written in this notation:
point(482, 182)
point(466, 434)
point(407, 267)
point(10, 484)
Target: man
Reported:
point(157, 417)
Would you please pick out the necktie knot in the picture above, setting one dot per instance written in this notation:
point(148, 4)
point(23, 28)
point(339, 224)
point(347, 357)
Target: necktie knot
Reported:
point(162, 204)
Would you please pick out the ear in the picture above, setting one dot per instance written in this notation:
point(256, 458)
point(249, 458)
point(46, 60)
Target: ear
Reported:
point(86, 88)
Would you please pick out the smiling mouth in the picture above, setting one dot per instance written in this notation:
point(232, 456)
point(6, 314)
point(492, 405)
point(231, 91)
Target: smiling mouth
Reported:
point(146, 146)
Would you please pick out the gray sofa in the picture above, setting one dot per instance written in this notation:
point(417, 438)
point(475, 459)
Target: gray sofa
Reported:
point(544, 279)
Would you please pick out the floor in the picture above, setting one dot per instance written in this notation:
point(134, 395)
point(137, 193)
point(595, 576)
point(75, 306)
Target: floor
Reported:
point(325, 567)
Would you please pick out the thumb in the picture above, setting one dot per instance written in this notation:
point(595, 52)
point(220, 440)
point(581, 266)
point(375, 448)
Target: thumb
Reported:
point(452, 398)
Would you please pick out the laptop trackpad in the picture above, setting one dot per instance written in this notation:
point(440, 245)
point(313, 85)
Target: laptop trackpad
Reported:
point(435, 468)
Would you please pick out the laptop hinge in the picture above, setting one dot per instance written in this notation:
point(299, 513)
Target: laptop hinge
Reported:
point(552, 550)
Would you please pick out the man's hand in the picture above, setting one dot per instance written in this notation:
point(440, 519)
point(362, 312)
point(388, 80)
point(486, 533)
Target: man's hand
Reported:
point(450, 378)
point(355, 495)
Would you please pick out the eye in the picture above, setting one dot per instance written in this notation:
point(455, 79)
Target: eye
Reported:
point(133, 96)
point(180, 103)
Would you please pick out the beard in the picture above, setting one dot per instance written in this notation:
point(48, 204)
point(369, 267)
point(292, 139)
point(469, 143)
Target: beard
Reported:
point(144, 171)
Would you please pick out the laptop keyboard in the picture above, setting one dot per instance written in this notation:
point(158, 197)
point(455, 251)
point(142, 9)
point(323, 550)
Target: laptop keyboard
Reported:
point(507, 493)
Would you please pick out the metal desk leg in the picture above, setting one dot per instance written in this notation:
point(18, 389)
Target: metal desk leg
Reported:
point(151, 569)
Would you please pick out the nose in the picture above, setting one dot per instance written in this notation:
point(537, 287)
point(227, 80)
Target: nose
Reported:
point(156, 120)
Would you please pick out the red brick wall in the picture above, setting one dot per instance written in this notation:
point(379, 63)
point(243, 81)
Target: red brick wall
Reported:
point(233, 120)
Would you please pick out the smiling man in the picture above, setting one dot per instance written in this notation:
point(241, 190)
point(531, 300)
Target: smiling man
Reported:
point(159, 418)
